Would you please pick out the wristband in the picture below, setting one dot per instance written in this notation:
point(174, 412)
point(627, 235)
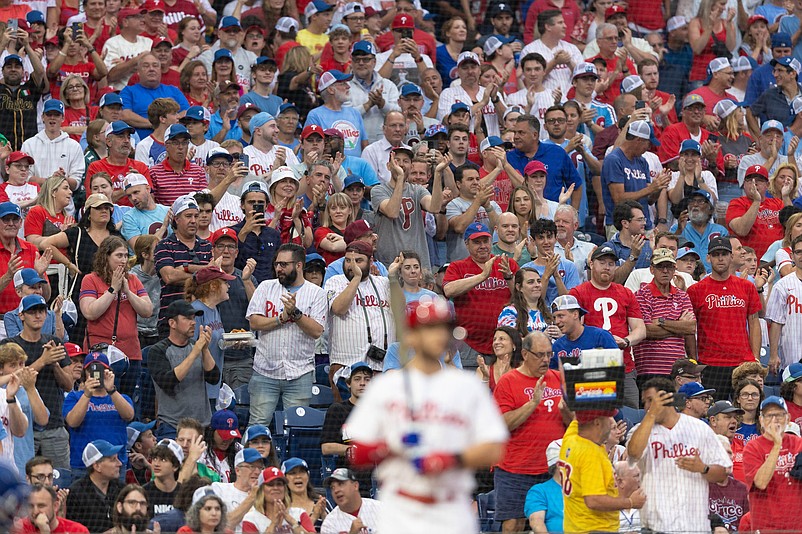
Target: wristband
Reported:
point(706, 470)
point(112, 392)
point(12, 400)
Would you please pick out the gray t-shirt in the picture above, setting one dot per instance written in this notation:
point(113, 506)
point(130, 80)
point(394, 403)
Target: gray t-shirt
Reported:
point(454, 242)
point(407, 231)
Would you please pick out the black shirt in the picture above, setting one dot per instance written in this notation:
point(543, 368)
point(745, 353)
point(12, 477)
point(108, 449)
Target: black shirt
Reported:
point(87, 504)
point(18, 111)
point(159, 502)
point(232, 313)
point(332, 432)
point(260, 247)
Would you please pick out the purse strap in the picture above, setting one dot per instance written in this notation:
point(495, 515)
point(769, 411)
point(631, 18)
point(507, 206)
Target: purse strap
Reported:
point(116, 316)
point(77, 248)
point(381, 310)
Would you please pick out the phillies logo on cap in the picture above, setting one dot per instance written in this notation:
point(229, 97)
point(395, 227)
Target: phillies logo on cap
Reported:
point(403, 19)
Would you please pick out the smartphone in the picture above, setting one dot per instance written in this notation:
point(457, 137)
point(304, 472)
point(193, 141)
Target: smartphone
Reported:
point(96, 371)
point(712, 138)
point(13, 24)
point(640, 104)
point(406, 33)
point(245, 159)
point(76, 26)
point(259, 207)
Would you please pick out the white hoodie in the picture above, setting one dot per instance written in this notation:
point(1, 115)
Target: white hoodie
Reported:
point(50, 155)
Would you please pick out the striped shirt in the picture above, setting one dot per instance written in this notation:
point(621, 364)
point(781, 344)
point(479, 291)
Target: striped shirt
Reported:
point(168, 184)
point(170, 252)
point(656, 356)
point(338, 521)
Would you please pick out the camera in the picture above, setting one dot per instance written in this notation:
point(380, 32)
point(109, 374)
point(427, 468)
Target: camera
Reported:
point(375, 353)
point(95, 370)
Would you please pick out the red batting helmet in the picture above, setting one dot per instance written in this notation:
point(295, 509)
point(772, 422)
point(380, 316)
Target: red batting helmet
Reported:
point(429, 311)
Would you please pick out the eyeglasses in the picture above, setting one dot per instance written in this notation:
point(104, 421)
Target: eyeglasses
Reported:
point(774, 415)
point(540, 355)
point(362, 59)
point(283, 264)
point(223, 246)
point(555, 121)
point(707, 399)
point(222, 164)
point(11, 220)
point(140, 504)
point(72, 87)
point(638, 219)
point(41, 478)
point(749, 395)
point(665, 266)
point(21, 166)
point(178, 142)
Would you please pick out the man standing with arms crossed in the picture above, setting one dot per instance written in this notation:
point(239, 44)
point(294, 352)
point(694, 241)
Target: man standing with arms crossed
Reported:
point(784, 315)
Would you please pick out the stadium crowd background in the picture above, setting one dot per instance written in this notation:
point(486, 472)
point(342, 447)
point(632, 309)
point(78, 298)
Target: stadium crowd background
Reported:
point(213, 200)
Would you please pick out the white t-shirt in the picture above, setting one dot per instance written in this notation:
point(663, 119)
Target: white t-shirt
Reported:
point(286, 353)
point(118, 49)
point(338, 521)
point(561, 75)
point(261, 521)
point(706, 176)
point(232, 497)
point(261, 163)
point(455, 93)
point(202, 150)
point(405, 69)
point(543, 101)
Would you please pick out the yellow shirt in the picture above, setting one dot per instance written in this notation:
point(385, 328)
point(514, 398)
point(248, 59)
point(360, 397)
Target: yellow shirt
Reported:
point(313, 42)
point(588, 471)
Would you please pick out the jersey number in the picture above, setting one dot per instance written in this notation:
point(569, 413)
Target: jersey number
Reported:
point(565, 473)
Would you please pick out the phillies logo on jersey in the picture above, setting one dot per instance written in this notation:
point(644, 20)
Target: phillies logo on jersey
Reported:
point(724, 301)
point(634, 174)
point(371, 301)
point(713, 236)
point(728, 509)
point(607, 307)
point(769, 215)
point(490, 284)
point(793, 304)
point(350, 133)
point(407, 209)
point(678, 450)
point(271, 310)
point(575, 354)
point(227, 216)
point(258, 170)
point(548, 393)
point(785, 462)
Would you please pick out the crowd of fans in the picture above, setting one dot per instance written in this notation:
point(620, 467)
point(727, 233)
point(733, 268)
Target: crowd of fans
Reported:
point(203, 204)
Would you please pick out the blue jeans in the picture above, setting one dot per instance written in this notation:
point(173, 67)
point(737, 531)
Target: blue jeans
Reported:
point(163, 430)
point(265, 393)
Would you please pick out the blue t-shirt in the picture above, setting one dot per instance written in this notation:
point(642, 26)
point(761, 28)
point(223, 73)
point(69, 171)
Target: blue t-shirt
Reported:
point(415, 297)
point(216, 124)
point(566, 270)
point(591, 338)
point(634, 174)
point(270, 103)
point(137, 98)
point(682, 58)
point(137, 222)
point(771, 12)
point(347, 120)
point(623, 252)
point(23, 447)
point(336, 267)
point(546, 496)
point(790, 25)
point(446, 66)
point(360, 167)
point(102, 421)
point(560, 169)
point(761, 79)
point(211, 318)
point(392, 361)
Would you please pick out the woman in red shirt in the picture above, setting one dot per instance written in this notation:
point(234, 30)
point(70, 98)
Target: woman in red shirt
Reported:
point(190, 45)
point(710, 36)
point(329, 240)
point(195, 84)
point(77, 111)
point(49, 217)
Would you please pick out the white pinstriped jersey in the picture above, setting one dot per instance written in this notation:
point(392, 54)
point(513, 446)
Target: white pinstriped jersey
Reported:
point(339, 522)
point(785, 307)
point(227, 212)
point(261, 162)
point(348, 341)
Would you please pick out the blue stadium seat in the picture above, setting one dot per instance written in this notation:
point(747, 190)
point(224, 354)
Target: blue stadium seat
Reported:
point(322, 397)
point(322, 374)
point(279, 439)
point(302, 428)
point(328, 463)
point(486, 503)
point(243, 406)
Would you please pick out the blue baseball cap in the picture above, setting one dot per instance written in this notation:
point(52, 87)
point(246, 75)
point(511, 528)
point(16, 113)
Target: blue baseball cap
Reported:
point(360, 366)
point(694, 389)
point(230, 22)
point(33, 301)
point(317, 6)
point(264, 60)
point(12, 57)
point(788, 62)
point(288, 106)
point(174, 131)
point(781, 40)
point(136, 429)
point(225, 422)
point(690, 145)
point(684, 251)
point(410, 89)
point(27, 277)
point(772, 125)
point(779, 401)
point(363, 48)
point(330, 77)
point(475, 230)
point(247, 456)
point(54, 105)
point(793, 372)
point(97, 450)
point(110, 99)
point(223, 54)
point(255, 431)
point(97, 357)
point(701, 193)
point(197, 113)
point(490, 142)
point(460, 106)
point(313, 257)
point(35, 17)
point(435, 129)
point(9, 208)
point(260, 119)
point(119, 127)
point(291, 463)
point(352, 179)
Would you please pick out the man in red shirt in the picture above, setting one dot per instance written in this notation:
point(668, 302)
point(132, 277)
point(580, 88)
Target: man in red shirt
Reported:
point(753, 217)
point(569, 8)
point(117, 163)
point(176, 175)
point(479, 287)
point(768, 462)
point(722, 304)
point(720, 77)
point(613, 307)
point(693, 115)
point(426, 42)
point(616, 61)
point(42, 518)
point(531, 401)
point(16, 254)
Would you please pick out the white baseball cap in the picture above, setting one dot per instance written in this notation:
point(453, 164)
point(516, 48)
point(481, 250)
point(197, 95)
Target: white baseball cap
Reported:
point(718, 64)
point(724, 108)
point(174, 448)
point(585, 69)
point(553, 452)
point(97, 450)
point(281, 173)
point(468, 56)
point(351, 8)
point(630, 83)
point(330, 77)
point(184, 203)
point(287, 25)
point(675, 23)
point(640, 129)
point(135, 179)
point(740, 64)
point(201, 492)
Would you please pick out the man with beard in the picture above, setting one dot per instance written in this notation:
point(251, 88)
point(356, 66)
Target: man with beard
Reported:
point(334, 438)
point(289, 314)
point(131, 510)
point(117, 164)
point(147, 217)
point(335, 92)
point(18, 102)
point(176, 175)
point(238, 495)
point(264, 152)
point(44, 503)
point(411, 102)
point(723, 418)
point(700, 228)
point(362, 324)
point(256, 239)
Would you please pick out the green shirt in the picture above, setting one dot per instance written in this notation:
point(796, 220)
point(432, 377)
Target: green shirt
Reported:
point(525, 258)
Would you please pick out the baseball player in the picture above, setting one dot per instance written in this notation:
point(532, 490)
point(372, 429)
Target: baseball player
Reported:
point(427, 444)
point(784, 313)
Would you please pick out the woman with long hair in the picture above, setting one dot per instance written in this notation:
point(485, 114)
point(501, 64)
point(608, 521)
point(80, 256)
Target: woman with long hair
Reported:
point(711, 34)
point(527, 311)
point(784, 183)
point(205, 290)
point(302, 493)
point(507, 353)
point(523, 205)
point(206, 516)
point(270, 11)
point(111, 299)
point(49, 216)
point(784, 258)
point(190, 42)
point(273, 505)
point(77, 111)
point(143, 266)
point(96, 148)
point(195, 84)
point(223, 68)
point(757, 40)
point(81, 243)
point(454, 34)
point(535, 180)
point(221, 445)
point(747, 396)
point(410, 274)
point(338, 214)
point(259, 437)
point(295, 82)
point(735, 141)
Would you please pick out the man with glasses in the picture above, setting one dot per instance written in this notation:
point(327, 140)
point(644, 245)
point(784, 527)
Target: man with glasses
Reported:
point(222, 172)
point(131, 511)
point(373, 96)
point(785, 315)
point(289, 314)
point(697, 399)
point(230, 38)
point(335, 92)
point(769, 467)
point(239, 496)
point(690, 127)
point(754, 217)
point(678, 456)
point(686, 370)
point(722, 304)
point(700, 228)
point(176, 175)
point(531, 401)
point(117, 163)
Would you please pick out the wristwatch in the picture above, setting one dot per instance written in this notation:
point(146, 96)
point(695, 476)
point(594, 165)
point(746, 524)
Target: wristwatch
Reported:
point(661, 321)
point(295, 315)
point(110, 290)
point(706, 470)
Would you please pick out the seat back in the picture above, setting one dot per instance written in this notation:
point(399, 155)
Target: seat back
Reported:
point(302, 427)
point(62, 478)
point(322, 374)
point(486, 504)
point(322, 396)
point(243, 405)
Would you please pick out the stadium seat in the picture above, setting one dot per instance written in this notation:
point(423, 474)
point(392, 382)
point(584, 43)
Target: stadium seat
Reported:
point(302, 428)
point(322, 397)
point(62, 478)
point(279, 439)
point(632, 416)
point(322, 374)
point(243, 406)
point(486, 503)
point(145, 393)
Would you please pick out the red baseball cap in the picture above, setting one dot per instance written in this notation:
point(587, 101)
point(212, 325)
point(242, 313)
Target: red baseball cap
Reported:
point(534, 166)
point(153, 5)
point(370, 12)
point(245, 107)
point(613, 10)
point(313, 129)
point(429, 311)
point(74, 350)
point(159, 40)
point(402, 20)
point(207, 274)
point(255, 27)
point(756, 18)
point(18, 156)
point(130, 12)
point(224, 232)
point(356, 230)
point(269, 475)
point(760, 170)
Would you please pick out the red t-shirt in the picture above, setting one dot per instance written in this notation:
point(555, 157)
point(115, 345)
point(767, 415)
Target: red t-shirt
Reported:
point(570, 11)
point(426, 43)
point(117, 173)
point(179, 54)
point(105, 35)
point(38, 221)
point(614, 90)
point(766, 229)
point(474, 156)
point(721, 309)
point(320, 235)
point(478, 309)
point(502, 188)
point(794, 412)
point(77, 117)
point(176, 12)
point(710, 98)
point(526, 449)
point(770, 507)
point(673, 136)
point(84, 70)
point(282, 51)
point(27, 253)
point(333, 64)
point(609, 310)
point(100, 330)
point(647, 13)
point(64, 525)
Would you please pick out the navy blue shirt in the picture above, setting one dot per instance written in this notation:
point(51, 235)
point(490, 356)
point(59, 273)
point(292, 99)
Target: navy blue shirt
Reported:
point(773, 105)
point(682, 58)
point(633, 174)
point(591, 338)
point(623, 252)
point(560, 170)
point(260, 247)
point(762, 78)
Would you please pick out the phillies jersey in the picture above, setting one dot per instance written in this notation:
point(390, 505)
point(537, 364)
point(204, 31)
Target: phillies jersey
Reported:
point(721, 309)
point(771, 509)
point(766, 229)
point(526, 450)
point(785, 307)
point(609, 310)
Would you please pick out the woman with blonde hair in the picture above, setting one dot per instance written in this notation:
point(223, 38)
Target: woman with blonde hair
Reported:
point(49, 216)
point(757, 40)
point(329, 240)
point(296, 80)
point(272, 504)
point(77, 111)
point(96, 148)
point(711, 34)
point(784, 258)
point(784, 183)
point(525, 207)
point(735, 140)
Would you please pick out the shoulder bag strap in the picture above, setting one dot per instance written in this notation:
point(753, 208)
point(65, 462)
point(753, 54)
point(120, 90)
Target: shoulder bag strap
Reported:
point(77, 247)
point(381, 310)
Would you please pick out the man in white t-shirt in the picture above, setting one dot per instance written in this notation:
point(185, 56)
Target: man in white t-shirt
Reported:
point(469, 92)
point(264, 152)
point(121, 52)
point(353, 512)
point(237, 495)
point(560, 55)
point(289, 314)
point(228, 211)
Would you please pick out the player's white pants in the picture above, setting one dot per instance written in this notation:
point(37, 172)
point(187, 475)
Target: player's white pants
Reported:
point(400, 515)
